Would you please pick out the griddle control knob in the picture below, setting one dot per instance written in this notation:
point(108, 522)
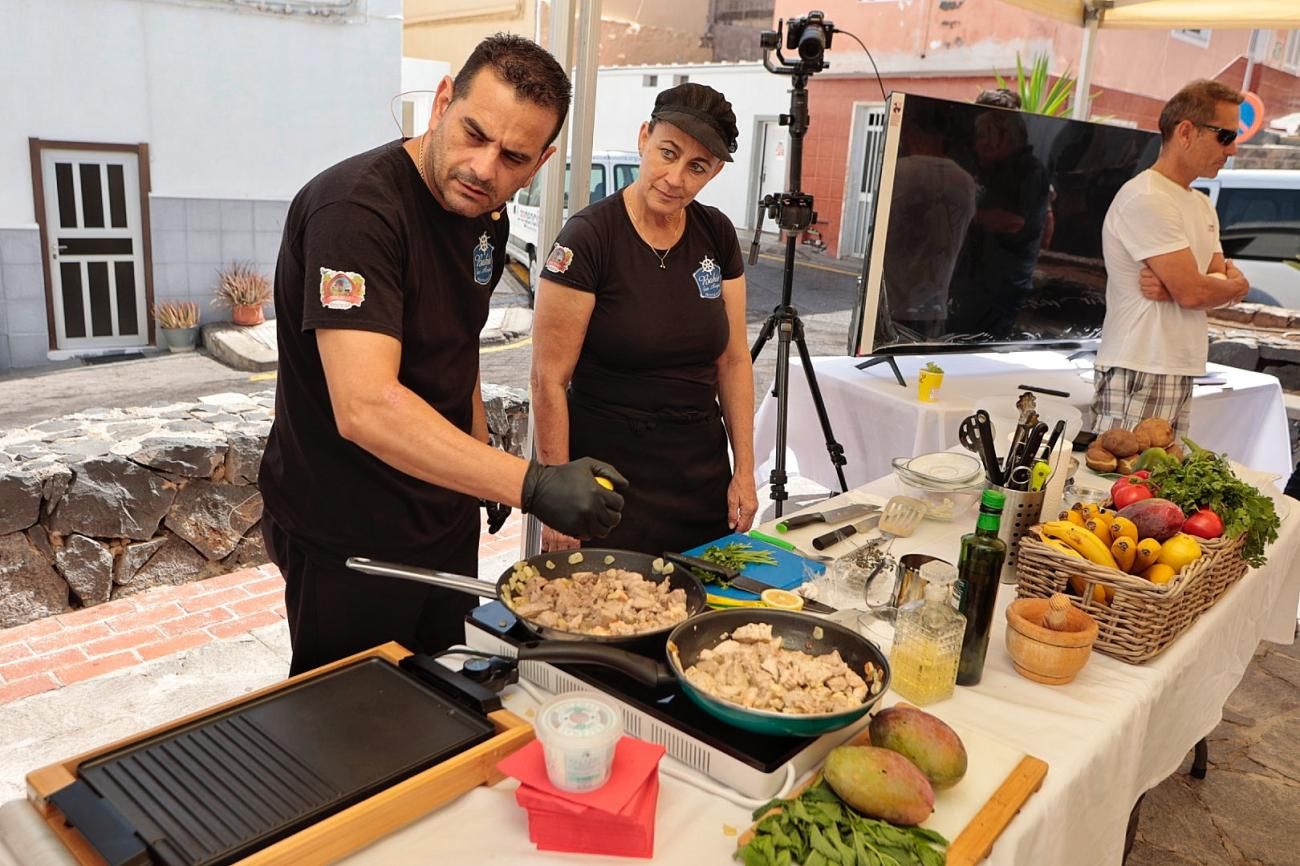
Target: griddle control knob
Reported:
point(493, 673)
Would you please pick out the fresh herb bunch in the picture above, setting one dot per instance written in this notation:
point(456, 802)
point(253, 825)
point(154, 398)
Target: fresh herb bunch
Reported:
point(817, 828)
point(735, 555)
point(1205, 478)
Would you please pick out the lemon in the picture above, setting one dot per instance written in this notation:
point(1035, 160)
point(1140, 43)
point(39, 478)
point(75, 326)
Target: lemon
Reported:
point(782, 599)
point(604, 482)
point(1179, 552)
point(1159, 573)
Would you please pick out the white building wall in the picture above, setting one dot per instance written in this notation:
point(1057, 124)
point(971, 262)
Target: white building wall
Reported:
point(623, 101)
point(233, 103)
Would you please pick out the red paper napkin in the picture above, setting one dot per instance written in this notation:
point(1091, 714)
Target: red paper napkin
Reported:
point(634, 760)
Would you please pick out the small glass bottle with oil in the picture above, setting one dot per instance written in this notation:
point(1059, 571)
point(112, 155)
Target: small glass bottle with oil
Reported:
point(927, 643)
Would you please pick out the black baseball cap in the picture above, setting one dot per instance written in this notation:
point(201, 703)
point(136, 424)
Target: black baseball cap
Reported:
point(702, 113)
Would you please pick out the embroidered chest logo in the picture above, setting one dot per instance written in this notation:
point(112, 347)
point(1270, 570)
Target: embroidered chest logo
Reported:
point(341, 290)
point(483, 260)
point(559, 260)
point(708, 278)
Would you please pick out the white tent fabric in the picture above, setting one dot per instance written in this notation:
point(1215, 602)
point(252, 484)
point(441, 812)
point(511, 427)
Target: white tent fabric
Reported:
point(1171, 14)
point(1157, 15)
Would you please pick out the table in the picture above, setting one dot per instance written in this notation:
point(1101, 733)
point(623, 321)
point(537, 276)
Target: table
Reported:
point(1109, 736)
point(876, 420)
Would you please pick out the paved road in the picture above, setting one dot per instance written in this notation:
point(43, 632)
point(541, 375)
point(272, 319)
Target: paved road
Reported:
point(823, 293)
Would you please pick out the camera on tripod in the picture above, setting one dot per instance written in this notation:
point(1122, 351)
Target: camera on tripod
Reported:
point(809, 35)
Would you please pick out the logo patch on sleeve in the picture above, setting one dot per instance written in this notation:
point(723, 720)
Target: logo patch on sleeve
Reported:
point(559, 259)
point(341, 290)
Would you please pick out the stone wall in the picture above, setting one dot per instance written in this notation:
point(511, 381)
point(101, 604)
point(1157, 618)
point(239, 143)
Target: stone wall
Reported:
point(107, 502)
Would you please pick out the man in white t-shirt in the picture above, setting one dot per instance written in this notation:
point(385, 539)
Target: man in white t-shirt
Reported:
point(1165, 267)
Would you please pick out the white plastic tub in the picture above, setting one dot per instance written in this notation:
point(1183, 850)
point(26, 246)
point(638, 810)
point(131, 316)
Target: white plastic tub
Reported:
point(578, 732)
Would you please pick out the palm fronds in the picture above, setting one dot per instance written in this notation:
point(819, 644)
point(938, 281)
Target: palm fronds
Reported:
point(1038, 94)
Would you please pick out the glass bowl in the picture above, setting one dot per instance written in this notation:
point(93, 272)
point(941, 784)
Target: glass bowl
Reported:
point(943, 504)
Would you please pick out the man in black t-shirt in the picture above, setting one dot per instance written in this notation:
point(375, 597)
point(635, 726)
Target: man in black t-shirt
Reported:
point(379, 446)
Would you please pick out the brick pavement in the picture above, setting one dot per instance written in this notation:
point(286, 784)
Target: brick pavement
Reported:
point(58, 651)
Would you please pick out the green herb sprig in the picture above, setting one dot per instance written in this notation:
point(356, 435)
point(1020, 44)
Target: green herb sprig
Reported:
point(1205, 478)
point(817, 828)
point(735, 555)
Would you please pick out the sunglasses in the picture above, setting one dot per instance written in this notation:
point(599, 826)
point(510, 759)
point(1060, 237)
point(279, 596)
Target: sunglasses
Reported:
point(1225, 137)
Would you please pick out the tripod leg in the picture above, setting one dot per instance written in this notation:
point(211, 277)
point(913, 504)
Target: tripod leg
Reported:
point(764, 334)
point(833, 448)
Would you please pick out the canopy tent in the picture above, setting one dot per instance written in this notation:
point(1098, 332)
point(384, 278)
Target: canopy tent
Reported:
point(1157, 15)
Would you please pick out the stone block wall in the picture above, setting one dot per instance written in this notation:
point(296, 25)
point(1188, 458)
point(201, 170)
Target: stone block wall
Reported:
point(107, 502)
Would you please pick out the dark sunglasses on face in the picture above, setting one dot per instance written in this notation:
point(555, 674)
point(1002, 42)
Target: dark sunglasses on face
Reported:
point(1223, 136)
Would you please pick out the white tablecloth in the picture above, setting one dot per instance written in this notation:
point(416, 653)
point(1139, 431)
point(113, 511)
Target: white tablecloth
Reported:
point(1110, 735)
point(876, 420)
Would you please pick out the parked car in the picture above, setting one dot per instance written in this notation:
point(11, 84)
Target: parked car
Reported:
point(611, 170)
point(1259, 225)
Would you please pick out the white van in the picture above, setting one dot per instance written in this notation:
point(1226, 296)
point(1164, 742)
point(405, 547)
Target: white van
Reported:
point(611, 170)
point(1259, 226)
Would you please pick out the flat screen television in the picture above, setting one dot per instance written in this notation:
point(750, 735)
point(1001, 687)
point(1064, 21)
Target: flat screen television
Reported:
point(986, 234)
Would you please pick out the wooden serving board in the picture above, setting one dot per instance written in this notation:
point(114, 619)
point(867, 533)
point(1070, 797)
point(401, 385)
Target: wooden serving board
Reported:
point(973, 813)
point(334, 837)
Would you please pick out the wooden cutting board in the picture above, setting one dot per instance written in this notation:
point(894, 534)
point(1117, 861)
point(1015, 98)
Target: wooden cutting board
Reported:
point(973, 813)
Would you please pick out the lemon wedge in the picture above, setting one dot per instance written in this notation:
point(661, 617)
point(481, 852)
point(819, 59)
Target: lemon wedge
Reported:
point(782, 599)
point(604, 482)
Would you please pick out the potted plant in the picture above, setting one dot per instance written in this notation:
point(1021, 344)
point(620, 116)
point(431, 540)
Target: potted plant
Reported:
point(179, 321)
point(244, 290)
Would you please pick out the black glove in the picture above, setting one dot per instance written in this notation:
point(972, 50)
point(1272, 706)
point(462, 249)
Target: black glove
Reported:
point(568, 498)
point(496, 515)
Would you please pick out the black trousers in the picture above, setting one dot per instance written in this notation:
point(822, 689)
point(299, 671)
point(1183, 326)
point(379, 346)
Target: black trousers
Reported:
point(334, 612)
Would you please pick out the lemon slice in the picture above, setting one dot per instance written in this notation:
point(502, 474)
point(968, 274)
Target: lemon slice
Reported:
point(604, 482)
point(782, 599)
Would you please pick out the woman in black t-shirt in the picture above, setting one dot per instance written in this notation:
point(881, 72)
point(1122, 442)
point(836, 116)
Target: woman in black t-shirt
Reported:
point(639, 352)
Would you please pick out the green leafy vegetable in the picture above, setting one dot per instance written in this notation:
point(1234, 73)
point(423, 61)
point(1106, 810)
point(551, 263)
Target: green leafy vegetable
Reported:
point(817, 829)
point(735, 555)
point(1206, 479)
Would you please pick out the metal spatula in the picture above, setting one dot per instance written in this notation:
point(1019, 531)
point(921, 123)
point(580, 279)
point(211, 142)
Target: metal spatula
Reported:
point(901, 516)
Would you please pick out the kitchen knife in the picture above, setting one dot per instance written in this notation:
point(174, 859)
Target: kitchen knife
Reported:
point(734, 578)
point(833, 515)
point(822, 542)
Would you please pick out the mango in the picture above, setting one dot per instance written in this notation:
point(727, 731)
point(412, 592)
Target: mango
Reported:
point(880, 783)
point(1155, 518)
point(923, 739)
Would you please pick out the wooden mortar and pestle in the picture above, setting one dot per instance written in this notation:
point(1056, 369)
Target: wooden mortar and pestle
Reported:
point(1049, 639)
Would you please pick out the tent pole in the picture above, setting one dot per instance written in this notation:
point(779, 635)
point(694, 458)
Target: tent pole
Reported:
point(583, 114)
point(1083, 84)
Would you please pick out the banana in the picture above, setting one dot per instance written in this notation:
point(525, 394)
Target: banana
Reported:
point(1089, 545)
point(1062, 547)
point(1148, 551)
point(1091, 509)
point(1122, 527)
point(1125, 551)
point(1099, 526)
point(1073, 515)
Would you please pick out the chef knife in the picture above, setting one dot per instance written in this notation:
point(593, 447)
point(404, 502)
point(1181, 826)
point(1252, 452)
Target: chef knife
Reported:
point(833, 515)
point(822, 542)
point(733, 578)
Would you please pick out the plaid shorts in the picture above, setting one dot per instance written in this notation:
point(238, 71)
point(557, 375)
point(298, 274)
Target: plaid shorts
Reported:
point(1123, 398)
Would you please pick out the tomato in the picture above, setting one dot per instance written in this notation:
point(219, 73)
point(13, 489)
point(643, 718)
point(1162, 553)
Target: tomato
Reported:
point(1128, 490)
point(1204, 524)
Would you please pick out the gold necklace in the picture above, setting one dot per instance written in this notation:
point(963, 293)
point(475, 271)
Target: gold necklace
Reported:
point(419, 160)
point(663, 266)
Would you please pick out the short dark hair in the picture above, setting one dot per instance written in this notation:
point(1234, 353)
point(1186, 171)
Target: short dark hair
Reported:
point(1001, 98)
point(1195, 102)
point(535, 75)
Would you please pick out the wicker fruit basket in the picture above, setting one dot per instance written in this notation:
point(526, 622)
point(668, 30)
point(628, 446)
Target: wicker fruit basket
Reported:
point(1142, 618)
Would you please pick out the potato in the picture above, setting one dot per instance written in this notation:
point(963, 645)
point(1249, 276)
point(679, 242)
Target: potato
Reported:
point(1119, 442)
point(1158, 430)
point(1099, 459)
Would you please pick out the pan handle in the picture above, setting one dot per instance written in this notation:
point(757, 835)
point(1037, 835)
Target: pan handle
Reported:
point(644, 670)
point(460, 583)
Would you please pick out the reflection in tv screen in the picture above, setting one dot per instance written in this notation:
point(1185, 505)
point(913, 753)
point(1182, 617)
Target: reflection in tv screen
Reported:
point(987, 228)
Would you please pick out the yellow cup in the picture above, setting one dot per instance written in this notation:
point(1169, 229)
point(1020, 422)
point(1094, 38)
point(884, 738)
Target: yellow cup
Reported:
point(927, 389)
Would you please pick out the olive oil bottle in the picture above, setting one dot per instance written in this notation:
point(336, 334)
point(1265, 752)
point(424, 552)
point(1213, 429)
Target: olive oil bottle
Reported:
point(978, 569)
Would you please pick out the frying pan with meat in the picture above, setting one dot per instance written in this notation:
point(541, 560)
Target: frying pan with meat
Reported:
point(798, 631)
point(551, 566)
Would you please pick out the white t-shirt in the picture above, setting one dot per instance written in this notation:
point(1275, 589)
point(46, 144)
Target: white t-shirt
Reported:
point(1150, 216)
